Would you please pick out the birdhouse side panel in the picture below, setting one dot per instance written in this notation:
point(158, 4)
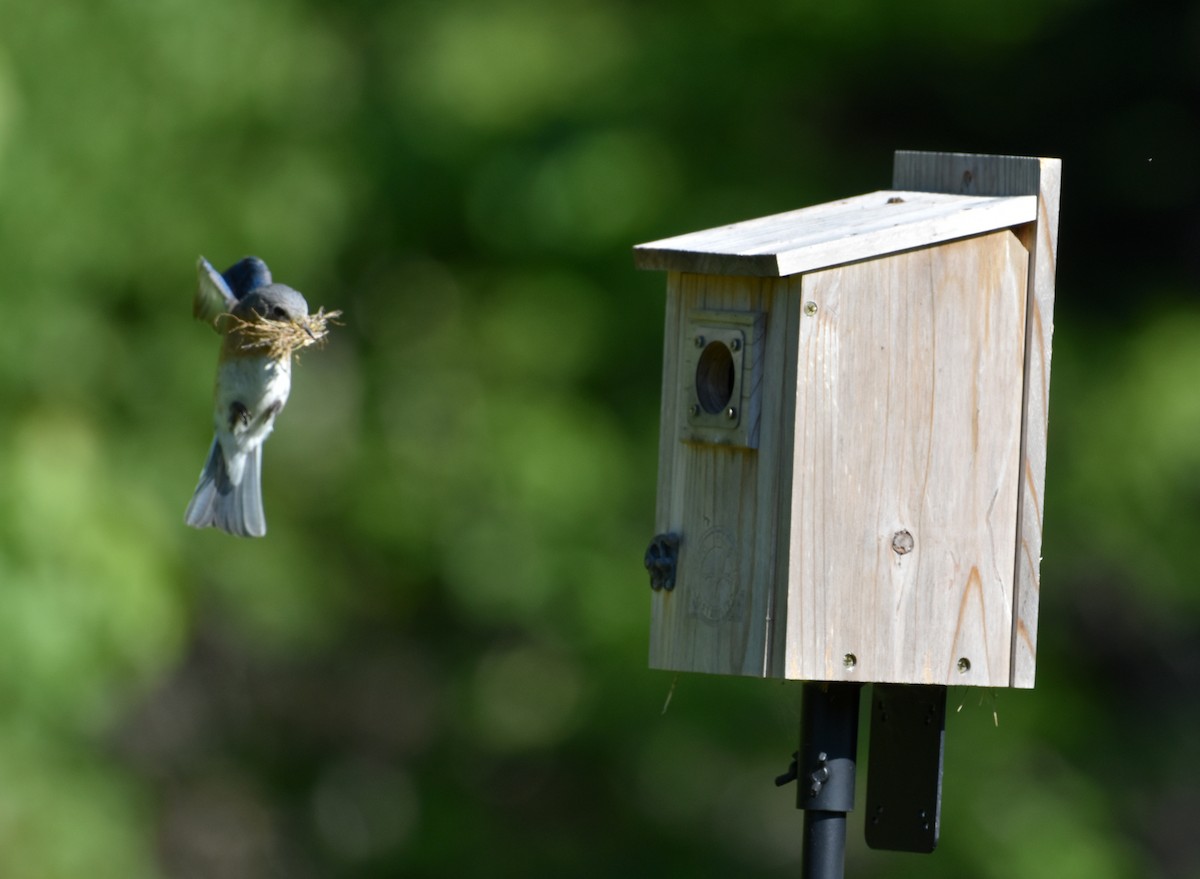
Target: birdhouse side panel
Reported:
point(720, 490)
point(907, 451)
point(1014, 176)
point(1041, 238)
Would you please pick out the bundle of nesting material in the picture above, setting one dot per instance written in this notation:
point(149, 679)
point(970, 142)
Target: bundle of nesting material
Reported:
point(280, 338)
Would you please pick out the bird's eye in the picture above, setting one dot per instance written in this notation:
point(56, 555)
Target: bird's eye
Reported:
point(278, 312)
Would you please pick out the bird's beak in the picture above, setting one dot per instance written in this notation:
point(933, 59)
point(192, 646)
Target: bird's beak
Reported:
point(303, 324)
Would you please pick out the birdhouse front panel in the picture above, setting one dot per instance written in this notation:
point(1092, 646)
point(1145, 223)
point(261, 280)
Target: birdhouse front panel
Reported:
point(727, 360)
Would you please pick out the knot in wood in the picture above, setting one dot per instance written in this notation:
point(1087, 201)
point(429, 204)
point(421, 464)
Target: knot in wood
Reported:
point(902, 543)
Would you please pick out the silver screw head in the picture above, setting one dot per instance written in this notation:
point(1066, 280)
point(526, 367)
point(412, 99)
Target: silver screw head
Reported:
point(699, 340)
point(735, 344)
point(731, 413)
point(810, 308)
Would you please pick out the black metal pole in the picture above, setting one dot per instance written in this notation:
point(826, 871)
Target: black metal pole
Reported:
point(824, 854)
point(825, 775)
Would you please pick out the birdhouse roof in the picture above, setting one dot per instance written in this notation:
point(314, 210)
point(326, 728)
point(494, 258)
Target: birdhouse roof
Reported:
point(817, 237)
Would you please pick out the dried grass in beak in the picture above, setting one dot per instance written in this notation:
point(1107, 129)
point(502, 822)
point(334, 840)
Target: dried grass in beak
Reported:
point(280, 338)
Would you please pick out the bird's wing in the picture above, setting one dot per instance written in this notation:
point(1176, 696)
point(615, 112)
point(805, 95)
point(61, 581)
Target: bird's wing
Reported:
point(213, 296)
point(247, 275)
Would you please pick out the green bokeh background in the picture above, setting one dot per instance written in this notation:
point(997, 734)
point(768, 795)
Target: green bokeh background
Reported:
point(434, 665)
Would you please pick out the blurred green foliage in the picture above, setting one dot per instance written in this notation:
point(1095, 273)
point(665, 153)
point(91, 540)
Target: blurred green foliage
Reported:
point(435, 663)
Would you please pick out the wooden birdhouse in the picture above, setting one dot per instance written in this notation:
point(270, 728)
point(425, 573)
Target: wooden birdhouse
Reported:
point(853, 432)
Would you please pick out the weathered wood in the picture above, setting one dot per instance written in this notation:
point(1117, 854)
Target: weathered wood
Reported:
point(1015, 176)
point(723, 501)
point(863, 227)
point(904, 485)
point(968, 173)
point(866, 503)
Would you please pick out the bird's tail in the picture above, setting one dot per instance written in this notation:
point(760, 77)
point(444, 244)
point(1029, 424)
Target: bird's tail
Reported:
point(235, 508)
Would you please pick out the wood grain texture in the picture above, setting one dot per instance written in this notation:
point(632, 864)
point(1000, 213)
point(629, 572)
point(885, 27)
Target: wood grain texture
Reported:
point(723, 501)
point(1006, 176)
point(817, 237)
point(885, 502)
point(967, 173)
point(908, 429)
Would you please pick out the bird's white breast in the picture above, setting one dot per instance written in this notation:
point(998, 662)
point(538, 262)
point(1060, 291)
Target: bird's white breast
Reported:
point(257, 383)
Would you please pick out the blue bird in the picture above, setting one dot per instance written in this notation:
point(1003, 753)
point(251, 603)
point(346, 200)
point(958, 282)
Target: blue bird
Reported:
point(252, 387)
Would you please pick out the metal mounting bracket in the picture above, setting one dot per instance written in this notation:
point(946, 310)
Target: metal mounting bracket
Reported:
point(904, 770)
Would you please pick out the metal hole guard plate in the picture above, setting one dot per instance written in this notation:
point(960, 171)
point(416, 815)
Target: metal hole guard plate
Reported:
point(735, 423)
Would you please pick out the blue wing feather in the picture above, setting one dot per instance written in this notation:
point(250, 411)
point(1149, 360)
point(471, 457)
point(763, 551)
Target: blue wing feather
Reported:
point(213, 296)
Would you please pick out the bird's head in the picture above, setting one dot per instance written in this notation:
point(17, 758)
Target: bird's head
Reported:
point(275, 302)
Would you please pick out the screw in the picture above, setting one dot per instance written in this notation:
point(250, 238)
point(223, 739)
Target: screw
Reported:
point(735, 344)
point(699, 341)
point(731, 413)
point(964, 665)
point(849, 660)
point(694, 409)
point(820, 775)
point(810, 308)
